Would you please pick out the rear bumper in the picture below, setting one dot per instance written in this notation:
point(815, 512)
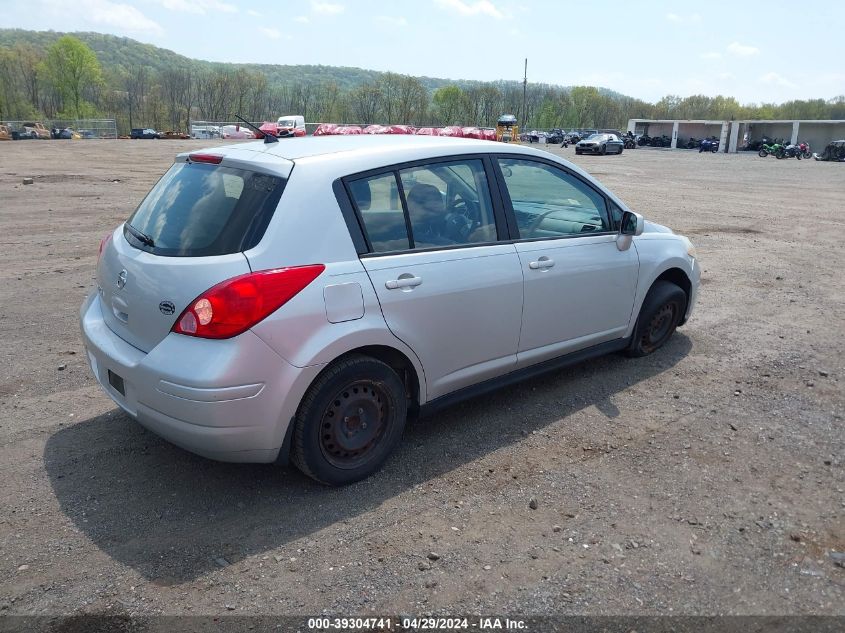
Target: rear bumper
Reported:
point(229, 400)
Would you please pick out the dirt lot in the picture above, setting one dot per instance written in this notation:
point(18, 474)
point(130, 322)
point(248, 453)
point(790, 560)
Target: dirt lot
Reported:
point(705, 479)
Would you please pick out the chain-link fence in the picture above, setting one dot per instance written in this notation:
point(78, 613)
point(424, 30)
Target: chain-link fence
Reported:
point(63, 128)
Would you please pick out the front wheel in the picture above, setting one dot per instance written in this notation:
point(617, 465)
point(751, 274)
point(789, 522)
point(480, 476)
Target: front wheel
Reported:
point(714, 148)
point(808, 155)
point(663, 308)
point(762, 153)
point(349, 421)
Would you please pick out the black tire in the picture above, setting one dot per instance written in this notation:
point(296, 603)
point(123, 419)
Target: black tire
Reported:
point(762, 153)
point(603, 150)
point(663, 308)
point(808, 155)
point(328, 442)
point(780, 154)
point(714, 148)
point(620, 149)
point(577, 152)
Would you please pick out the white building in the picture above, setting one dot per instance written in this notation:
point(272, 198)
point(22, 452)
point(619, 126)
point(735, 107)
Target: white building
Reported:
point(734, 135)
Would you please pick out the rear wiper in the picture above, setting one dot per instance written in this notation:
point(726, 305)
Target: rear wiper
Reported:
point(142, 237)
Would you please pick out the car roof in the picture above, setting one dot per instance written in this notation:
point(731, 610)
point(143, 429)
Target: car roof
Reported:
point(365, 148)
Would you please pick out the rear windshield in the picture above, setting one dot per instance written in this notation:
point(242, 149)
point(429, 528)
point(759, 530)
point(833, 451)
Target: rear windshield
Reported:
point(198, 209)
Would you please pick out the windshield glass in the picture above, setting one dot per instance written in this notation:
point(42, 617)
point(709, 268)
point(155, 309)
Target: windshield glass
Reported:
point(199, 209)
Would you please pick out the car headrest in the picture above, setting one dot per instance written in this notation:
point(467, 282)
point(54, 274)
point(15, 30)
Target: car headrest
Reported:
point(426, 196)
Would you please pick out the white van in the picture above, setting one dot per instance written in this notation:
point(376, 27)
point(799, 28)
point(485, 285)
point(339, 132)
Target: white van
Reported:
point(291, 125)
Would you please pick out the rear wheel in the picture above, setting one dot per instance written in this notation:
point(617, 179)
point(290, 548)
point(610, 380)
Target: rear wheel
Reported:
point(662, 310)
point(349, 421)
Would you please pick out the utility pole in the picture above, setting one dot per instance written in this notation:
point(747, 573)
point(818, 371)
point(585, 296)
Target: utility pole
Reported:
point(524, 90)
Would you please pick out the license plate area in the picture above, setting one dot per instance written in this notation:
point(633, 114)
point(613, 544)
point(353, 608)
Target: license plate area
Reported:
point(117, 383)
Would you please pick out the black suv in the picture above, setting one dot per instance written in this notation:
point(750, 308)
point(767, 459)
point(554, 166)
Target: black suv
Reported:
point(147, 132)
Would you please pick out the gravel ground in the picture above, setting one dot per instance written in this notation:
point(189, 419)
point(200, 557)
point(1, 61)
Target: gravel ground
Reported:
point(705, 479)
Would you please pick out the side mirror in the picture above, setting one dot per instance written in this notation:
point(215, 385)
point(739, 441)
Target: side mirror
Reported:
point(631, 225)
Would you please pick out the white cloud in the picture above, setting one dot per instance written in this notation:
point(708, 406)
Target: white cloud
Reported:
point(683, 19)
point(303, 19)
point(741, 50)
point(199, 7)
point(711, 55)
point(326, 8)
point(272, 33)
point(392, 21)
point(119, 16)
point(253, 13)
point(777, 80)
point(467, 9)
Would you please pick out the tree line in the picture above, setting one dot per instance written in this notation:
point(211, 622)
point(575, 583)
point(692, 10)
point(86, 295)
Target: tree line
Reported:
point(66, 80)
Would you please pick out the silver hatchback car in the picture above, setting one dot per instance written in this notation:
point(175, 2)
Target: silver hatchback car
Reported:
point(302, 299)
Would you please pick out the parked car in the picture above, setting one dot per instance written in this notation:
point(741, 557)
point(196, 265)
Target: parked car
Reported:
point(34, 131)
point(236, 131)
point(205, 131)
point(555, 135)
point(146, 132)
point(600, 144)
point(304, 299)
point(5, 133)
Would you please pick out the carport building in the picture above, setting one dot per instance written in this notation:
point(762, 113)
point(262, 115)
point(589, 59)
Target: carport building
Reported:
point(735, 135)
point(681, 130)
point(817, 133)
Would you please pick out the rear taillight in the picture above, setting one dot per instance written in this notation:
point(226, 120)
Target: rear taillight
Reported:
point(235, 305)
point(103, 243)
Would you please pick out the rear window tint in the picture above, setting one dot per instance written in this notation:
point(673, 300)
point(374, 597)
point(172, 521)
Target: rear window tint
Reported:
point(198, 210)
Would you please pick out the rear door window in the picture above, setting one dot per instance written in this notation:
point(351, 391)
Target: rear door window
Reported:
point(444, 203)
point(377, 199)
point(198, 210)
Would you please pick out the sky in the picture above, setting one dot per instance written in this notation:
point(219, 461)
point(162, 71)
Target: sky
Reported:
point(771, 51)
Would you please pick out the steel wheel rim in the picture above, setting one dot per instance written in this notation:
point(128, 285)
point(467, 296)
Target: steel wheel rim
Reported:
point(353, 424)
point(659, 327)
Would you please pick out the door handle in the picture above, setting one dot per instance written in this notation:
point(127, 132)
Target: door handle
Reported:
point(542, 263)
point(403, 282)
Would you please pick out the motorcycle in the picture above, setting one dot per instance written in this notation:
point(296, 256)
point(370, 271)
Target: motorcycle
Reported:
point(629, 141)
point(692, 143)
point(790, 151)
point(805, 150)
point(644, 140)
point(660, 141)
point(769, 147)
point(709, 145)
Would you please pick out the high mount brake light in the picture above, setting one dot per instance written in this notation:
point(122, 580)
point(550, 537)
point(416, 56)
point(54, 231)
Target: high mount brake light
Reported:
point(235, 305)
point(213, 159)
